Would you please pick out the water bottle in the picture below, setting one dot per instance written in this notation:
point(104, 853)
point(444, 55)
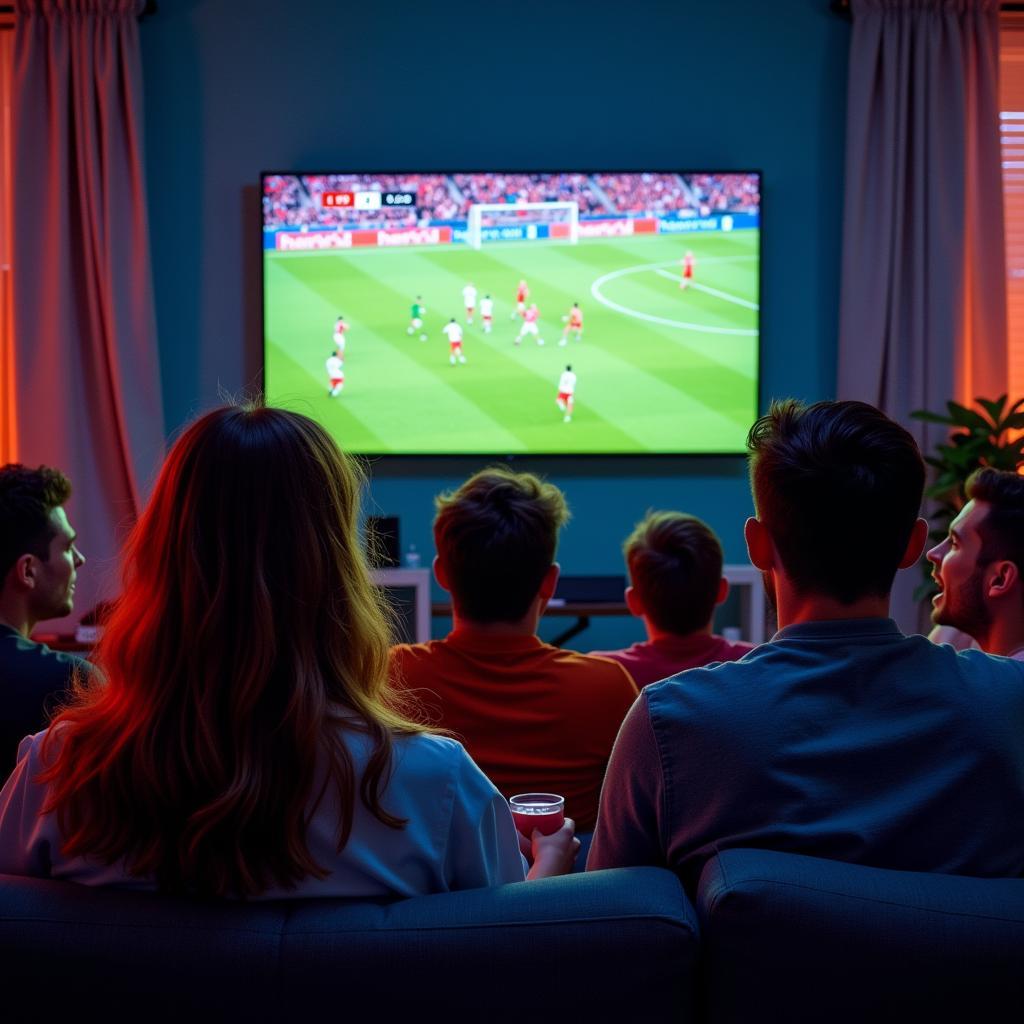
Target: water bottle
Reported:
point(412, 557)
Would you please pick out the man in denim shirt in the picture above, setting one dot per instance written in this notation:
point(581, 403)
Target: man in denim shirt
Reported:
point(841, 738)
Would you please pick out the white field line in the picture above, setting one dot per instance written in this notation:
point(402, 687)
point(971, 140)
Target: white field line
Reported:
point(684, 325)
point(710, 291)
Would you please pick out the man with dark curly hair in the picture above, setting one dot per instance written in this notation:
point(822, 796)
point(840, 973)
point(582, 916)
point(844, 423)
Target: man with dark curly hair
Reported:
point(39, 563)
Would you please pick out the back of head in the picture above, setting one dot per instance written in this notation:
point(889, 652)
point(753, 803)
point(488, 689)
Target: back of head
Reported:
point(248, 630)
point(675, 565)
point(496, 538)
point(27, 497)
point(838, 486)
point(1002, 529)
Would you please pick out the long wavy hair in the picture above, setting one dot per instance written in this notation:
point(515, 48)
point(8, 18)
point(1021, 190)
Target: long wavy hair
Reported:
point(248, 640)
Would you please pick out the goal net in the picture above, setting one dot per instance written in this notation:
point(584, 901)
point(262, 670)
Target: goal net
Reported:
point(497, 215)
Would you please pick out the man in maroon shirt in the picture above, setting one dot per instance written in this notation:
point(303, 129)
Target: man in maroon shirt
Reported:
point(675, 567)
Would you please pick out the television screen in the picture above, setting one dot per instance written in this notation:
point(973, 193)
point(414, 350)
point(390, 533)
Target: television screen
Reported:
point(509, 313)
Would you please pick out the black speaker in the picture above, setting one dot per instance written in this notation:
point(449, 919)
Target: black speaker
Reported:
point(382, 547)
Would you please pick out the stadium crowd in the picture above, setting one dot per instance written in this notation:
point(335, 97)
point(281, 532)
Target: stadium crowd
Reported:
point(639, 194)
point(721, 193)
point(296, 201)
point(244, 728)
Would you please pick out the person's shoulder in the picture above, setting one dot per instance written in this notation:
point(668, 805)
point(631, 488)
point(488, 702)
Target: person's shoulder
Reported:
point(977, 664)
point(598, 669)
point(427, 759)
point(21, 657)
point(716, 679)
point(411, 657)
point(39, 748)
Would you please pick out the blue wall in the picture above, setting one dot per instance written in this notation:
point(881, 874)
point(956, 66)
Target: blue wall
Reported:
point(235, 88)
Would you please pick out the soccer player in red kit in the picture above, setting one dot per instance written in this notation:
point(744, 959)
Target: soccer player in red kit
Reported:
point(530, 326)
point(522, 294)
point(688, 264)
point(340, 327)
point(573, 322)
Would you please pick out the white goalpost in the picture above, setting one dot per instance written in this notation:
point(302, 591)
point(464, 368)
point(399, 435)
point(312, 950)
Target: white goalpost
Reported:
point(474, 222)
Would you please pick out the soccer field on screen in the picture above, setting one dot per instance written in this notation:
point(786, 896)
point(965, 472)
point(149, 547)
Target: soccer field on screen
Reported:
point(659, 369)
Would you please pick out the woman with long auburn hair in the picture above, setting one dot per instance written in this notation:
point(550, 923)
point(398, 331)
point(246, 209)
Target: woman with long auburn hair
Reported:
point(241, 738)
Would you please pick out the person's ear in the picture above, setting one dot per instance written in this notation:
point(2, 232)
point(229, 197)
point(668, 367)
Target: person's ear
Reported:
point(550, 581)
point(1001, 578)
point(760, 548)
point(723, 591)
point(441, 574)
point(633, 603)
point(23, 572)
point(918, 539)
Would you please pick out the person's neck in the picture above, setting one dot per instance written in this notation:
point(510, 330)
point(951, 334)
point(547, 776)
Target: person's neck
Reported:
point(655, 635)
point(526, 626)
point(793, 607)
point(1005, 636)
point(15, 615)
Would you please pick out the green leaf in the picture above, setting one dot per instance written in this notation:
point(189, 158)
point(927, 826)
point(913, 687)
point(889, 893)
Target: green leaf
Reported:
point(964, 417)
point(994, 409)
point(930, 417)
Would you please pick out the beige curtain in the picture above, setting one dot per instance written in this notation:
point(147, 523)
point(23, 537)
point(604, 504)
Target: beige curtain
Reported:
point(86, 358)
point(923, 298)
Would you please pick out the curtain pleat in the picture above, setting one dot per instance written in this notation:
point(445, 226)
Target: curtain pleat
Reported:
point(923, 296)
point(86, 359)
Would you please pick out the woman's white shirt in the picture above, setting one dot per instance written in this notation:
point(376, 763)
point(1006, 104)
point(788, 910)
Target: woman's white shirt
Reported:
point(460, 833)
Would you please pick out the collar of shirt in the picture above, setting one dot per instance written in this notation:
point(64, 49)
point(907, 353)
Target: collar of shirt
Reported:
point(469, 639)
point(694, 643)
point(841, 629)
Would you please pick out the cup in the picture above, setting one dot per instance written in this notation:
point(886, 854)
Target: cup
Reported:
point(543, 811)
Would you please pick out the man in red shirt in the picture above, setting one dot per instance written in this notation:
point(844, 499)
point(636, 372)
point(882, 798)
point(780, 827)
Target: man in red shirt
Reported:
point(675, 567)
point(535, 718)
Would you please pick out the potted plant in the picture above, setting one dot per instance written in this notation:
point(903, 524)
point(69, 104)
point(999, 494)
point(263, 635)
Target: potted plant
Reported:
point(988, 437)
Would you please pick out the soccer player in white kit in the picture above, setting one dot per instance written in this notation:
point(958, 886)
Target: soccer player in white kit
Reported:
point(335, 374)
point(469, 299)
point(487, 312)
point(340, 327)
point(454, 332)
point(530, 325)
point(566, 390)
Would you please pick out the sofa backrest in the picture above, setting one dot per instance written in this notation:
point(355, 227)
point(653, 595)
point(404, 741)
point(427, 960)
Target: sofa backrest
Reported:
point(798, 939)
point(617, 943)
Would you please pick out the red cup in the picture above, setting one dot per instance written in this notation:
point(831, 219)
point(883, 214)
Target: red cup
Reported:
point(543, 811)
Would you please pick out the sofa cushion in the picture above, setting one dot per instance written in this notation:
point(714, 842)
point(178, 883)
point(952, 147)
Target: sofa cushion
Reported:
point(797, 938)
point(618, 942)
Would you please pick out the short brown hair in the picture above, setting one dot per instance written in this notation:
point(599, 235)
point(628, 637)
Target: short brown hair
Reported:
point(1002, 529)
point(496, 537)
point(675, 565)
point(838, 486)
point(27, 497)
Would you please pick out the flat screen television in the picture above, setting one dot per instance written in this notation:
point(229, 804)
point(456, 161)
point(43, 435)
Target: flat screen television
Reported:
point(501, 313)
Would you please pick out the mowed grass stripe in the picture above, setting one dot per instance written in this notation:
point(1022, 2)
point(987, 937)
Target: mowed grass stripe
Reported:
point(371, 361)
point(614, 387)
point(607, 388)
point(665, 354)
point(502, 391)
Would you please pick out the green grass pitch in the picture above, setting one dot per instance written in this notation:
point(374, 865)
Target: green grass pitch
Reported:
point(659, 369)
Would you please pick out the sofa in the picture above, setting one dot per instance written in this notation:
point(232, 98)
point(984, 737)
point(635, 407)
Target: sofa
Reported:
point(801, 940)
point(780, 938)
point(616, 945)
